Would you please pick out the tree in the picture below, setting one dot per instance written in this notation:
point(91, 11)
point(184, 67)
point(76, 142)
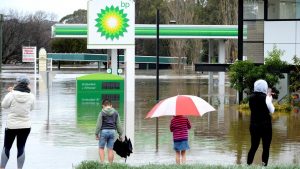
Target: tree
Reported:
point(79, 16)
point(145, 13)
point(194, 50)
point(229, 14)
point(207, 12)
point(295, 76)
point(242, 70)
point(33, 29)
point(36, 29)
point(71, 45)
point(274, 67)
point(183, 13)
point(243, 74)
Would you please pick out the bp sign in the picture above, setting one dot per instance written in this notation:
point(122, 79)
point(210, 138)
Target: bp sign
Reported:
point(111, 24)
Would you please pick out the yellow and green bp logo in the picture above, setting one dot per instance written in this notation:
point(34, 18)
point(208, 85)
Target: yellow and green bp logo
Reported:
point(112, 22)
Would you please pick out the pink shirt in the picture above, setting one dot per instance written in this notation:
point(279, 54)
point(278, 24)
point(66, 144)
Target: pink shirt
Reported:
point(180, 126)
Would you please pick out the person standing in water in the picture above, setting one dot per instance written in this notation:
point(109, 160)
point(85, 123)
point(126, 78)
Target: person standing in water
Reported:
point(180, 126)
point(20, 102)
point(261, 107)
point(107, 124)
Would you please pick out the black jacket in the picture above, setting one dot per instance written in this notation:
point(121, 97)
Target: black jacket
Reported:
point(260, 113)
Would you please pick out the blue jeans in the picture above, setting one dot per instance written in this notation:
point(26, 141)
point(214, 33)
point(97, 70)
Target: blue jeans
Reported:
point(107, 137)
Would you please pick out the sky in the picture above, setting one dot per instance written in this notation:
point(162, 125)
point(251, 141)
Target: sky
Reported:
point(59, 7)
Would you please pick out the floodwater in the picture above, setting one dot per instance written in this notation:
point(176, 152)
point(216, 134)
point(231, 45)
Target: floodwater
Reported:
point(61, 137)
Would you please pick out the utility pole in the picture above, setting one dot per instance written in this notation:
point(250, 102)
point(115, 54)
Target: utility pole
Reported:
point(240, 37)
point(1, 22)
point(157, 72)
point(240, 28)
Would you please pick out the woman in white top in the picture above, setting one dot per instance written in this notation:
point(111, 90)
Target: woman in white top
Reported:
point(20, 102)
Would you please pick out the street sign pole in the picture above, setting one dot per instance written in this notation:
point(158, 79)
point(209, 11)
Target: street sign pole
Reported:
point(1, 22)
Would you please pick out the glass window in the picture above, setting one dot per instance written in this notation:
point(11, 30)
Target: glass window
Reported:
point(254, 52)
point(253, 9)
point(253, 31)
point(284, 9)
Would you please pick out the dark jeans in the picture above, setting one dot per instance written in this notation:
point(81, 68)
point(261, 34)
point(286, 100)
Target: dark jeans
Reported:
point(264, 132)
point(9, 137)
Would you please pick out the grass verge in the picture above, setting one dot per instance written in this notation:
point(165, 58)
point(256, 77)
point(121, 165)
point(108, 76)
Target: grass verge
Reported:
point(97, 165)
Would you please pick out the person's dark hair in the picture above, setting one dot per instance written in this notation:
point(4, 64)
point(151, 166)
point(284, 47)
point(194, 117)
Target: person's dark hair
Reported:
point(106, 102)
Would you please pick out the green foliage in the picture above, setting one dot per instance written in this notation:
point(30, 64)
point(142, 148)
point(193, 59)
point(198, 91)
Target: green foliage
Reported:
point(22, 30)
point(97, 165)
point(89, 165)
point(240, 74)
point(79, 16)
point(146, 11)
point(295, 76)
point(274, 66)
point(207, 12)
point(69, 45)
point(243, 74)
point(281, 108)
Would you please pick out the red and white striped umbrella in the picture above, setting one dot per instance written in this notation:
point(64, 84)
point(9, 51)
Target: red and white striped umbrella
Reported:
point(181, 105)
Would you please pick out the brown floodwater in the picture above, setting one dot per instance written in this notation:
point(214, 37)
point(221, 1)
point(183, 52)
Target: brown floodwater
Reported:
point(62, 137)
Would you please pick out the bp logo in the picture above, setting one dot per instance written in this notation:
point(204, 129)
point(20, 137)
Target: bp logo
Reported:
point(112, 22)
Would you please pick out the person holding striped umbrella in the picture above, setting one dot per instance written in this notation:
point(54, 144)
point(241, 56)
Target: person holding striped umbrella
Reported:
point(179, 107)
point(180, 126)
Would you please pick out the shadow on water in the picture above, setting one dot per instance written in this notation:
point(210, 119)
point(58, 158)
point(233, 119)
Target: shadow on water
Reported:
point(66, 137)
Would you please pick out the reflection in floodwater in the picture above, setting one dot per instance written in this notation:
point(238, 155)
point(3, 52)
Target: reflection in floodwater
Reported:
point(220, 137)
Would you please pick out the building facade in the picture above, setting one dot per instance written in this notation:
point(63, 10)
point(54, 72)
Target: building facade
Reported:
point(271, 23)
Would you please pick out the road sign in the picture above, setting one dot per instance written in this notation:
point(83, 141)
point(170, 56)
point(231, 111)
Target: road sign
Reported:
point(28, 53)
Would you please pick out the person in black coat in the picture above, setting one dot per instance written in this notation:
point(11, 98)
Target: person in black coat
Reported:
point(260, 103)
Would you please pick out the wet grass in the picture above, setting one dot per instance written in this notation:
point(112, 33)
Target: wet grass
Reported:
point(97, 165)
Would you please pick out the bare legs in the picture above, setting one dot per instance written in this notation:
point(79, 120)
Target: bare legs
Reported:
point(101, 154)
point(183, 157)
point(177, 157)
point(180, 157)
point(110, 153)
